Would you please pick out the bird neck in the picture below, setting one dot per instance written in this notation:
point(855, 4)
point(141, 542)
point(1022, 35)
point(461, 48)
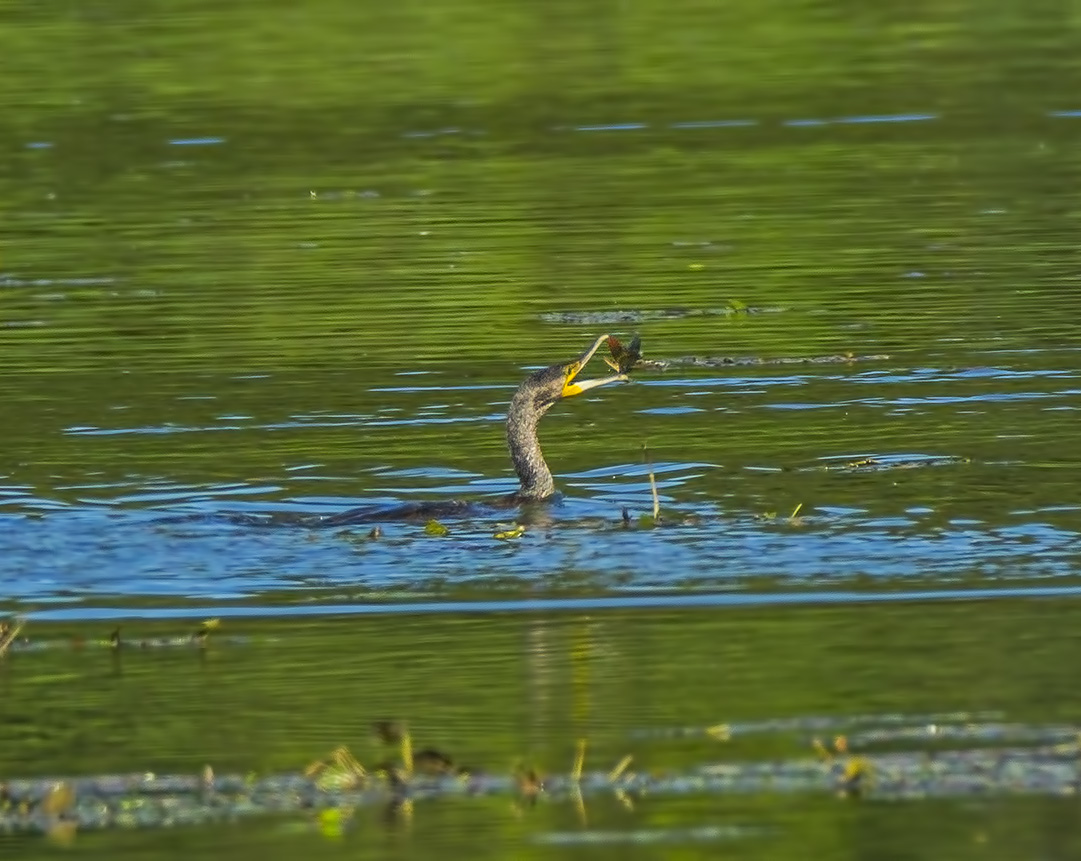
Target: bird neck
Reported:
point(525, 452)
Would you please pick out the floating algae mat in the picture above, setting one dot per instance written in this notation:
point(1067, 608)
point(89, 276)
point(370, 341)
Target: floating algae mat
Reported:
point(887, 757)
point(13, 639)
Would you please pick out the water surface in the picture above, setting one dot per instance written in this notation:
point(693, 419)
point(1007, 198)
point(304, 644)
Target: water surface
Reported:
point(261, 264)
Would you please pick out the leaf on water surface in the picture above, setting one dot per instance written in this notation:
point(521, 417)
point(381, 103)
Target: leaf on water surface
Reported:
point(720, 732)
point(203, 631)
point(827, 751)
point(332, 822)
point(434, 527)
point(856, 776)
point(339, 771)
point(517, 531)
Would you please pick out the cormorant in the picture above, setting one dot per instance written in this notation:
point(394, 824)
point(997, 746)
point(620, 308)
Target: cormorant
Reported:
point(537, 394)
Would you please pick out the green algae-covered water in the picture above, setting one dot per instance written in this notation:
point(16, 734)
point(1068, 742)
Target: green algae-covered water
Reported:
point(698, 698)
point(273, 263)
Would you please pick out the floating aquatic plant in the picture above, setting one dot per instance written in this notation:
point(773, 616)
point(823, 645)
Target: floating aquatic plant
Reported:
point(990, 757)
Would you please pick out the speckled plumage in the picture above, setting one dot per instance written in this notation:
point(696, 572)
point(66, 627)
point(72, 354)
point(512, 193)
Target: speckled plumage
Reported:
point(533, 399)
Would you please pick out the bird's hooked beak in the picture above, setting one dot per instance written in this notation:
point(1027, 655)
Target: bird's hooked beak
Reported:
point(573, 386)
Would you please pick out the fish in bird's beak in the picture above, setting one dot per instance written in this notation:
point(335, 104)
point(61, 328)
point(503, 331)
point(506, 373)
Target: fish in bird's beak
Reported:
point(572, 386)
point(624, 356)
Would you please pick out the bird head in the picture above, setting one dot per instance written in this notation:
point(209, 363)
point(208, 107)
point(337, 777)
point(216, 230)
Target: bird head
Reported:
point(555, 382)
point(573, 386)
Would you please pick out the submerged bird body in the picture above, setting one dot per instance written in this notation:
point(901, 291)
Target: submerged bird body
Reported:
point(533, 398)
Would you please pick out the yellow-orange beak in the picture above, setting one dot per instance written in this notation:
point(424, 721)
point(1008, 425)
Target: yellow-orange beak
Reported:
point(572, 386)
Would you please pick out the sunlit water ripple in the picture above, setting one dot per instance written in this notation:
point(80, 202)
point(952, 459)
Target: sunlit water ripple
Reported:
point(147, 536)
